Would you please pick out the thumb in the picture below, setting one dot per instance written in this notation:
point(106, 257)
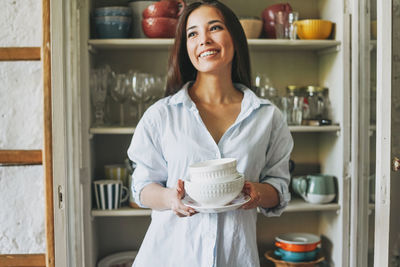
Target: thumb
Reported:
point(180, 187)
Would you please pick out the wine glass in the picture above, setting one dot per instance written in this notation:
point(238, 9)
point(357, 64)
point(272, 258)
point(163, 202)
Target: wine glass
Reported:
point(119, 92)
point(99, 79)
point(140, 84)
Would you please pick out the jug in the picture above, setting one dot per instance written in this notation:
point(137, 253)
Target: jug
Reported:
point(317, 188)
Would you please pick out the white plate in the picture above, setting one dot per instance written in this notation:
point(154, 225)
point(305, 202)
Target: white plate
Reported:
point(119, 259)
point(298, 238)
point(234, 204)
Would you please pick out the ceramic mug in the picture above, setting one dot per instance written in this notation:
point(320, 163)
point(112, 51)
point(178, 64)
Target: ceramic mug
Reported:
point(317, 188)
point(110, 194)
point(116, 172)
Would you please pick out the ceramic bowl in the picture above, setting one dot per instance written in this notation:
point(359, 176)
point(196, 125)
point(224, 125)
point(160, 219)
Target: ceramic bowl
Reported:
point(252, 27)
point(313, 29)
point(280, 263)
point(214, 194)
point(113, 11)
point(113, 27)
point(296, 256)
point(297, 247)
point(298, 238)
point(216, 170)
point(159, 27)
point(169, 9)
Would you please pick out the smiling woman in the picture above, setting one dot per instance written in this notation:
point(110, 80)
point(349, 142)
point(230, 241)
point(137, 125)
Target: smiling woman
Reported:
point(209, 113)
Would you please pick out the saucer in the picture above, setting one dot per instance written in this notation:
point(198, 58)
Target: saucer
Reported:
point(234, 204)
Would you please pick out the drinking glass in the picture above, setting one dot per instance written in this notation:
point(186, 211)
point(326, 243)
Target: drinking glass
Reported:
point(140, 84)
point(99, 79)
point(292, 30)
point(119, 92)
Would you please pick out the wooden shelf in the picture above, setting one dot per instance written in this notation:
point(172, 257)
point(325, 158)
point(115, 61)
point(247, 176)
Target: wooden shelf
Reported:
point(312, 129)
point(296, 205)
point(254, 44)
point(294, 129)
point(112, 130)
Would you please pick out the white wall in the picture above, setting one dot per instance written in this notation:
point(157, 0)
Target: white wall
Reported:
point(21, 119)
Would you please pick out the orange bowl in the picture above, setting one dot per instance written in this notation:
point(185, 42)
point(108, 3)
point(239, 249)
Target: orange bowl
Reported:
point(297, 247)
point(314, 29)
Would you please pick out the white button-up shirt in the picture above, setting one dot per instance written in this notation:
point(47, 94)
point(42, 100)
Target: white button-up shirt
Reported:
point(170, 137)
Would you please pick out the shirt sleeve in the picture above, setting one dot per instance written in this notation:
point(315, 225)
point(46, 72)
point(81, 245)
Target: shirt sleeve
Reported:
point(146, 153)
point(276, 171)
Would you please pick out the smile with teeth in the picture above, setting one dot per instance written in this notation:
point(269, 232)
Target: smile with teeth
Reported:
point(208, 53)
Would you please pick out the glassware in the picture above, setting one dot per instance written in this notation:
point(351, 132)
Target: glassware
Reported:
point(99, 79)
point(292, 26)
point(313, 102)
point(140, 84)
point(281, 22)
point(297, 110)
point(265, 90)
point(119, 92)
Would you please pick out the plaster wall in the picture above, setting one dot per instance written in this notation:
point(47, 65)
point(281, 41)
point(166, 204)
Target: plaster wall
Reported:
point(21, 119)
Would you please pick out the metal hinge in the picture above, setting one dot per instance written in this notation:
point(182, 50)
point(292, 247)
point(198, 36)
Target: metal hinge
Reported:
point(60, 197)
point(347, 170)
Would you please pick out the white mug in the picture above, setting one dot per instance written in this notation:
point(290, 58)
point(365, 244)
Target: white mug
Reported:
point(110, 194)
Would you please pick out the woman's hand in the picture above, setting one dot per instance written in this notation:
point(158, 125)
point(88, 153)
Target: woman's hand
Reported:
point(176, 201)
point(250, 189)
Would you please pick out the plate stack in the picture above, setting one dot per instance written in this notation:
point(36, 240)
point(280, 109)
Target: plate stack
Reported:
point(296, 249)
point(214, 183)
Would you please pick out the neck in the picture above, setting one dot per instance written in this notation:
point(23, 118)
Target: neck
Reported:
point(214, 89)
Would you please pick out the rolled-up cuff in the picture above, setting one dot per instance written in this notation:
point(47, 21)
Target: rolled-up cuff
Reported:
point(284, 198)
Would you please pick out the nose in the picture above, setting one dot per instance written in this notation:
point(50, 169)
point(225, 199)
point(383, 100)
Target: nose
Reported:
point(205, 39)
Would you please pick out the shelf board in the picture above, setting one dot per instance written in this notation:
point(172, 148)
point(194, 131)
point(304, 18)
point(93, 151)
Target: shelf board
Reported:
point(121, 212)
point(295, 129)
point(296, 205)
point(312, 129)
point(112, 130)
point(254, 44)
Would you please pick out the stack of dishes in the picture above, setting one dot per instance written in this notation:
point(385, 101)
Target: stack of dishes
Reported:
point(297, 247)
point(113, 21)
point(214, 184)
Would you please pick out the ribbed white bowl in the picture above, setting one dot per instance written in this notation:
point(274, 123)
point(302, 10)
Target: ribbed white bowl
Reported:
point(216, 170)
point(214, 194)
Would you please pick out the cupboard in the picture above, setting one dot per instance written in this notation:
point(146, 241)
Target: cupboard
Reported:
point(317, 149)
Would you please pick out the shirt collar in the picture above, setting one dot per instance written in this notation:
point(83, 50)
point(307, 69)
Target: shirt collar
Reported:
point(250, 99)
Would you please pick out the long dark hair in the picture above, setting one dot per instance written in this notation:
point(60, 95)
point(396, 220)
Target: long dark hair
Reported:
point(181, 69)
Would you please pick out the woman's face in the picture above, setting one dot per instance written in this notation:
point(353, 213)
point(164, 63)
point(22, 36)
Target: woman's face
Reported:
point(209, 43)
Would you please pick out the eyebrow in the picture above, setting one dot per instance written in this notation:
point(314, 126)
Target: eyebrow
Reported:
point(209, 23)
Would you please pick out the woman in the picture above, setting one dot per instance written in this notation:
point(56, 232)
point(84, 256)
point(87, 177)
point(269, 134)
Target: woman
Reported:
point(209, 113)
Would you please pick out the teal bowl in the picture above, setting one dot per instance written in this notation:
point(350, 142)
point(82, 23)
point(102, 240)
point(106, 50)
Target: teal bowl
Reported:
point(113, 27)
point(296, 256)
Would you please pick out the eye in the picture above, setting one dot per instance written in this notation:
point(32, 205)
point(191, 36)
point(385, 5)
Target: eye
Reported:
point(216, 27)
point(191, 34)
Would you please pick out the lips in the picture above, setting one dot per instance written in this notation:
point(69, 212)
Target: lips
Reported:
point(208, 52)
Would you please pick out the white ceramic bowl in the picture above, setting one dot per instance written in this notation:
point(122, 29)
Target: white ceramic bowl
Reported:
point(214, 194)
point(298, 238)
point(213, 171)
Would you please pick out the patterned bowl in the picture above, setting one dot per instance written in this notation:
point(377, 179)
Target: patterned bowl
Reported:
point(214, 171)
point(314, 29)
point(214, 194)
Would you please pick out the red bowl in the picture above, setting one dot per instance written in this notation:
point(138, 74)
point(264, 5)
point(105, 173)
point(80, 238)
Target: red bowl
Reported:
point(159, 27)
point(169, 9)
point(297, 247)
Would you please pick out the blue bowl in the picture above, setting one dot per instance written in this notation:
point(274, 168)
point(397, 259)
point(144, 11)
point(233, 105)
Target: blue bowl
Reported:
point(113, 11)
point(296, 256)
point(113, 27)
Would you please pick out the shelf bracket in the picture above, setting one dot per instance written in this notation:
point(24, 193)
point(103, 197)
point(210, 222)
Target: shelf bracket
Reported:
point(330, 50)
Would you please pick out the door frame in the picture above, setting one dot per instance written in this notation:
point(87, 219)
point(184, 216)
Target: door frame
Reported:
point(384, 134)
point(65, 75)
